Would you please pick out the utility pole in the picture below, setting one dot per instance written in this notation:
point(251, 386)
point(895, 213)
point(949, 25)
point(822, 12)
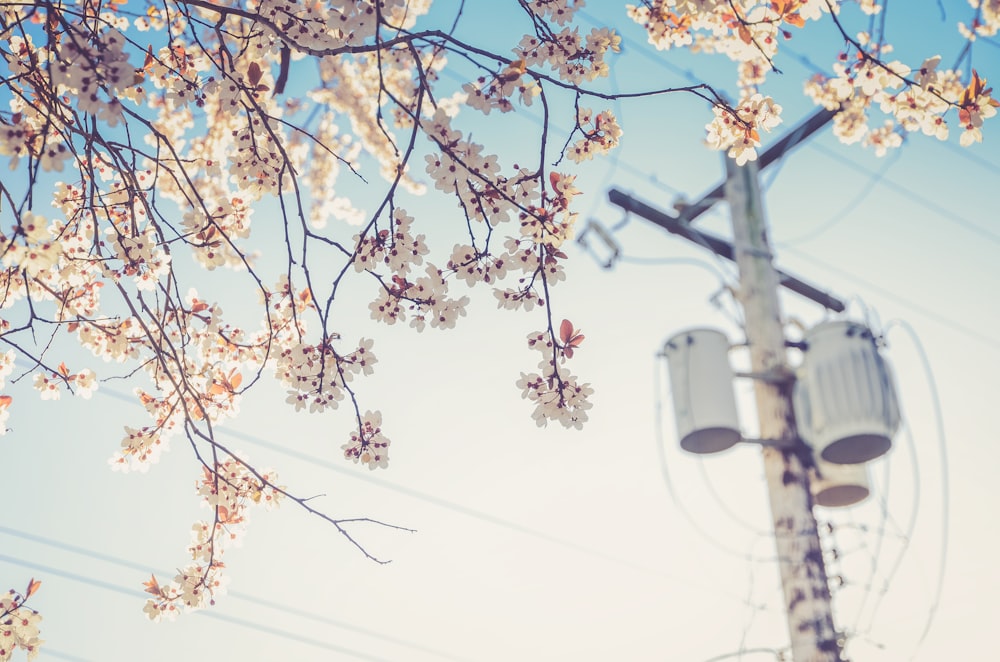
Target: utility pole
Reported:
point(811, 629)
point(800, 557)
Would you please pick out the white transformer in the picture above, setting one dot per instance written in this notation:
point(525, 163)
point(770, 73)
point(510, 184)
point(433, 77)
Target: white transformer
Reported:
point(845, 403)
point(701, 381)
point(839, 485)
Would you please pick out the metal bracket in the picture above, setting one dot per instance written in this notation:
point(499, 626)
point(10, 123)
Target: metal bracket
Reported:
point(779, 376)
point(606, 238)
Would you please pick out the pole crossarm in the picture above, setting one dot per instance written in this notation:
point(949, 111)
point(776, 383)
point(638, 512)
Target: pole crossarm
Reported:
point(717, 245)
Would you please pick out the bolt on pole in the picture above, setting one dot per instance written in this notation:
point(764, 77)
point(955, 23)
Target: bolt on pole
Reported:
point(800, 557)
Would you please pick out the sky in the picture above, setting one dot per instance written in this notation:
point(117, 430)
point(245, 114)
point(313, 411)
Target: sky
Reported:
point(605, 543)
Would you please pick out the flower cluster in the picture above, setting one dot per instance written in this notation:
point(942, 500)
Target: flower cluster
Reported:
point(368, 445)
point(317, 375)
point(496, 91)
point(84, 382)
point(6, 367)
point(425, 298)
point(744, 30)
point(601, 134)
point(750, 32)
point(985, 22)
point(557, 394)
point(229, 488)
point(736, 129)
point(140, 448)
point(34, 247)
point(916, 100)
point(575, 59)
point(18, 624)
point(395, 247)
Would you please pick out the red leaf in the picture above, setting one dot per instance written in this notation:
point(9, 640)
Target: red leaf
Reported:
point(152, 586)
point(5, 401)
point(254, 74)
point(565, 331)
point(570, 338)
point(33, 585)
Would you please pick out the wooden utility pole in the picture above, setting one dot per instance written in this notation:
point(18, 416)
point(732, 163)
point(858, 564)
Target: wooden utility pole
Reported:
point(800, 557)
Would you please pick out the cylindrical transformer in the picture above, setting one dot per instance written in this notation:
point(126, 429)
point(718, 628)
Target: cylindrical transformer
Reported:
point(845, 403)
point(701, 380)
point(839, 485)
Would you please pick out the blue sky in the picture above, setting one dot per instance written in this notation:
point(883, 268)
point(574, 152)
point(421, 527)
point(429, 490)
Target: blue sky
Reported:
point(553, 544)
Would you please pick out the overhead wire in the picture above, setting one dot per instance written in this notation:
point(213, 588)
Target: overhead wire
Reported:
point(723, 506)
point(667, 479)
point(259, 601)
point(776, 652)
point(734, 315)
point(848, 207)
point(443, 503)
point(62, 655)
point(906, 535)
point(945, 481)
point(215, 615)
point(969, 155)
point(948, 214)
point(755, 609)
point(912, 305)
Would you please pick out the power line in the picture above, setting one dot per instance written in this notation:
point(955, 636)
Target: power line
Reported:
point(948, 214)
point(240, 622)
point(776, 653)
point(236, 595)
point(668, 481)
point(907, 537)
point(968, 155)
point(926, 312)
point(945, 492)
point(56, 653)
point(445, 503)
point(851, 205)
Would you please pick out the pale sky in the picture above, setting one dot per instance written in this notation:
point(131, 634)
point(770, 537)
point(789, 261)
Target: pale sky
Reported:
point(571, 545)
